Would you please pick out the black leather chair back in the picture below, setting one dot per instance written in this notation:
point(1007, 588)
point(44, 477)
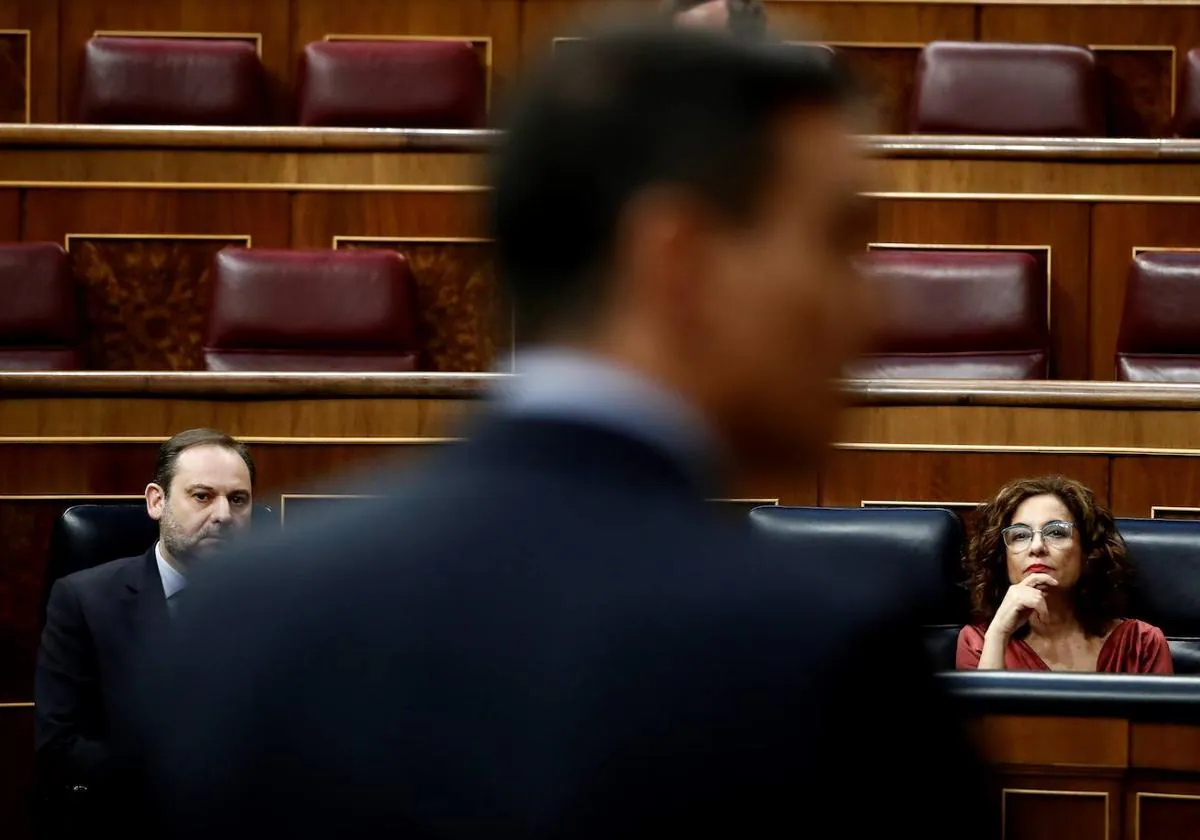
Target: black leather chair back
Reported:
point(89, 535)
point(1167, 556)
point(926, 544)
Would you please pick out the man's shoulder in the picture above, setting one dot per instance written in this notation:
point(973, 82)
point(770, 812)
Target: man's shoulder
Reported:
point(103, 576)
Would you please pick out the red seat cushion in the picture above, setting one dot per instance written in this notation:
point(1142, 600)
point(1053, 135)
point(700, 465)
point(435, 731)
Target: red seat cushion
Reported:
point(393, 84)
point(1187, 114)
point(968, 87)
point(956, 315)
point(39, 319)
point(312, 310)
point(171, 81)
point(1160, 327)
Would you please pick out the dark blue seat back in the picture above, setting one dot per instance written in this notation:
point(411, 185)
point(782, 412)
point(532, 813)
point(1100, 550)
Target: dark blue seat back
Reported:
point(1166, 554)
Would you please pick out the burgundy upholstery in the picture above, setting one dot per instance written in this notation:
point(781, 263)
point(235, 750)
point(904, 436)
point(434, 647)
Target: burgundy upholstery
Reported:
point(956, 315)
point(171, 81)
point(393, 84)
point(971, 87)
point(312, 311)
point(39, 316)
point(1160, 327)
point(1187, 112)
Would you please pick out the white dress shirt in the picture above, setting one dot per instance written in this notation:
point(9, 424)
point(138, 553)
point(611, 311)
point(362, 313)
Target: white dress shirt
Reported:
point(173, 580)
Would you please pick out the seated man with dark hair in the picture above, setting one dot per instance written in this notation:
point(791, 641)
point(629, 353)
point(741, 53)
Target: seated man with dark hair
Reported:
point(97, 620)
point(744, 18)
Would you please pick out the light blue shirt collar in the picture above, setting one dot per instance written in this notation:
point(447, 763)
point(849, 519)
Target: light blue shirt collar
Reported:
point(561, 384)
point(173, 580)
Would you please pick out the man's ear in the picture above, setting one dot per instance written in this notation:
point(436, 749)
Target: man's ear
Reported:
point(156, 501)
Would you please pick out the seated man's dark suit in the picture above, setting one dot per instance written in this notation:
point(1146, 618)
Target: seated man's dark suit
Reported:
point(546, 632)
point(97, 623)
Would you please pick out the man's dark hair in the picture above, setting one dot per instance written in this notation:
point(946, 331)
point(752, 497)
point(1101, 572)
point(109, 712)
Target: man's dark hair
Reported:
point(747, 18)
point(169, 452)
point(618, 114)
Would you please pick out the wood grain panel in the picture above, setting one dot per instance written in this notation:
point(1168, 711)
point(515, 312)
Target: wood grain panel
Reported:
point(1165, 816)
point(14, 78)
point(911, 23)
point(464, 324)
point(16, 745)
point(1044, 741)
point(1051, 814)
point(1165, 746)
point(1062, 226)
point(10, 215)
point(499, 20)
point(269, 18)
point(318, 217)
point(40, 18)
point(1142, 483)
point(850, 477)
point(1118, 228)
point(1138, 86)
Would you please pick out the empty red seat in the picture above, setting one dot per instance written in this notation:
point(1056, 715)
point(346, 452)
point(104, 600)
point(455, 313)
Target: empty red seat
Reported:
point(171, 81)
point(393, 84)
point(1160, 327)
point(968, 87)
point(39, 316)
point(957, 315)
point(311, 311)
point(1187, 111)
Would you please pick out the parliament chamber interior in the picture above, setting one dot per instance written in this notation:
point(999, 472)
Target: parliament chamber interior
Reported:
point(269, 218)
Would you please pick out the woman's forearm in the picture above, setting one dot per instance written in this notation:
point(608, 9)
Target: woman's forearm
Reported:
point(991, 658)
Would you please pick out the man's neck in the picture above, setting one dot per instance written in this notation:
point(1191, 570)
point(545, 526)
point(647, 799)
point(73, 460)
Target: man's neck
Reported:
point(171, 560)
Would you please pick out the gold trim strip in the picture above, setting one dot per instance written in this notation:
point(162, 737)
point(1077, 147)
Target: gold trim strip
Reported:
point(1021, 449)
point(256, 37)
point(248, 439)
point(1040, 792)
point(17, 705)
point(1152, 249)
point(924, 246)
point(1155, 510)
point(28, 35)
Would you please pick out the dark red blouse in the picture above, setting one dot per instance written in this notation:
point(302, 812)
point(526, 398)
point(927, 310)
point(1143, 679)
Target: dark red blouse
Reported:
point(1133, 647)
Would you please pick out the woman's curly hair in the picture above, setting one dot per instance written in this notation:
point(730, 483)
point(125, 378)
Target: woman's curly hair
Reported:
point(1102, 591)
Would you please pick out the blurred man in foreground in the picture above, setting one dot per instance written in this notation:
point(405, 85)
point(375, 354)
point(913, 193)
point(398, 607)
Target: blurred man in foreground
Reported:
point(99, 620)
point(743, 18)
point(547, 632)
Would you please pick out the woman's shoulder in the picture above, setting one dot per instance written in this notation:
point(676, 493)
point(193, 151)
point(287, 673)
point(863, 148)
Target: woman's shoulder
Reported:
point(1141, 630)
point(972, 632)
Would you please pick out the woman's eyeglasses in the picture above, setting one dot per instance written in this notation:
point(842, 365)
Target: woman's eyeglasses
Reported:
point(1055, 534)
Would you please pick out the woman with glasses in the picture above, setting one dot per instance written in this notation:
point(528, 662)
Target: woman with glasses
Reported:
point(1049, 581)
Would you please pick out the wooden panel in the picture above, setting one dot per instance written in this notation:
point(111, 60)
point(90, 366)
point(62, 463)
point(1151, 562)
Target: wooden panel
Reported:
point(10, 215)
point(318, 217)
point(498, 20)
point(142, 260)
point(1051, 814)
point(1156, 815)
point(911, 23)
point(1060, 226)
point(16, 746)
point(851, 477)
point(1165, 746)
point(1139, 90)
point(268, 18)
point(34, 62)
point(1140, 484)
point(1038, 741)
point(1117, 229)
point(464, 324)
point(544, 20)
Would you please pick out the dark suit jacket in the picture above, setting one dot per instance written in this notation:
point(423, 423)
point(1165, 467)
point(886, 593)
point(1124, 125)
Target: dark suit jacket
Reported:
point(97, 623)
point(546, 632)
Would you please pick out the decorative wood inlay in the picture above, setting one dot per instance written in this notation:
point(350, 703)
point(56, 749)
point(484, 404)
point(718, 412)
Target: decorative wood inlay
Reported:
point(146, 297)
point(464, 326)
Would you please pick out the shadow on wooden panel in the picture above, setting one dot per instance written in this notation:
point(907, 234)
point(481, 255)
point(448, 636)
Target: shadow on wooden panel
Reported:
point(464, 324)
point(16, 747)
point(889, 72)
point(146, 297)
point(26, 524)
point(1138, 85)
point(15, 96)
point(1029, 814)
point(1165, 816)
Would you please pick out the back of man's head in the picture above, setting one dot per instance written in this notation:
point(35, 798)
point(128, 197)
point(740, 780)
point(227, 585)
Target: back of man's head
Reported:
point(742, 18)
point(684, 195)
